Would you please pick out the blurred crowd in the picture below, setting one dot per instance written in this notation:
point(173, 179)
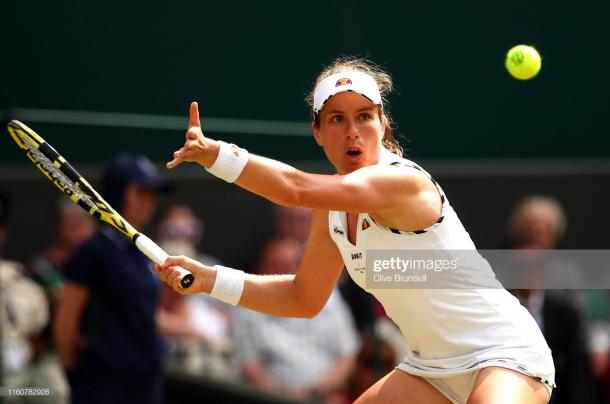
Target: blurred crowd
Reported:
point(87, 318)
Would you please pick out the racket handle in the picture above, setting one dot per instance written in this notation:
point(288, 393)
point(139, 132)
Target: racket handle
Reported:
point(158, 256)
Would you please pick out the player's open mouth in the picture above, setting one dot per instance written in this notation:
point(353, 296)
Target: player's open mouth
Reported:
point(353, 153)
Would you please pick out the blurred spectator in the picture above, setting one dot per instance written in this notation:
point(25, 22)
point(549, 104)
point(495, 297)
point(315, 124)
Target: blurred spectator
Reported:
point(72, 228)
point(301, 358)
point(105, 327)
point(292, 223)
point(199, 338)
point(180, 231)
point(538, 223)
point(23, 314)
point(599, 342)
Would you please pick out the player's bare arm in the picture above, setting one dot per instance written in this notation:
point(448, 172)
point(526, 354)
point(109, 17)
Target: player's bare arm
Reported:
point(394, 195)
point(300, 295)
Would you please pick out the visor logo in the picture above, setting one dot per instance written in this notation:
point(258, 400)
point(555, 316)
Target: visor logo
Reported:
point(343, 82)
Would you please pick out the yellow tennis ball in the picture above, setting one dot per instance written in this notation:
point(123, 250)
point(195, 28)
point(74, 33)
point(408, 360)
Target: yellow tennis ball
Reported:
point(523, 62)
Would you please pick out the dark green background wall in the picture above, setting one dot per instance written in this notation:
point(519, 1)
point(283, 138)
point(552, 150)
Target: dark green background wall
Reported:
point(257, 60)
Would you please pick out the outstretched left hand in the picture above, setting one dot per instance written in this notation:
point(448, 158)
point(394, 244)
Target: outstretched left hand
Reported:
point(197, 148)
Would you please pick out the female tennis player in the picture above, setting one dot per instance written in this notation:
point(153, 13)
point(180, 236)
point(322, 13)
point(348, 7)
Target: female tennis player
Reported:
point(465, 344)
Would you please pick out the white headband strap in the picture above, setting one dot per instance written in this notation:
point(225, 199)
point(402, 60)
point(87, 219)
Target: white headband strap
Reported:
point(358, 82)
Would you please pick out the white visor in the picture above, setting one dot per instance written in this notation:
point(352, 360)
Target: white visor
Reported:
point(358, 82)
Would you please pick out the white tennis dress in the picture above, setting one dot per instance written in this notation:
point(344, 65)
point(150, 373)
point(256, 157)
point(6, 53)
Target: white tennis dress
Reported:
point(453, 331)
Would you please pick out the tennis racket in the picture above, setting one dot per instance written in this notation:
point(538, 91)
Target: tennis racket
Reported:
point(71, 183)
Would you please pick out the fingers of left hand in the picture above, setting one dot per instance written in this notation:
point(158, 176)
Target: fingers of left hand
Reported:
point(192, 134)
point(173, 278)
point(173, 163)
point(164, 275)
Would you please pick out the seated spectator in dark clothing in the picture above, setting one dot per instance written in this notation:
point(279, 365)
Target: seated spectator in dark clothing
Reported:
point(106, 324)
point(538, 223)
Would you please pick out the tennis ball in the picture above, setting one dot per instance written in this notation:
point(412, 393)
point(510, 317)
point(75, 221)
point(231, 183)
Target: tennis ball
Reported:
point(523, 62)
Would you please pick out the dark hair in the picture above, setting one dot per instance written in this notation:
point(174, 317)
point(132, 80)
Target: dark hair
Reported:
point(384, 82)
point(126, 169)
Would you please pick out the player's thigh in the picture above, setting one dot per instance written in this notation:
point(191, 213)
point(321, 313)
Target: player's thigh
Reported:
point(399, 387)
point(505, 386)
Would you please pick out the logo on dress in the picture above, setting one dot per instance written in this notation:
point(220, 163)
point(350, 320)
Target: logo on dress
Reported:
point(342, 82)
point(338, 231)
point(365, 224)
point(360, 267)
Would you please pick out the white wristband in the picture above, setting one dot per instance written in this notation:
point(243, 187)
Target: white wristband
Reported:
point(230, 162)
point(229, 284)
